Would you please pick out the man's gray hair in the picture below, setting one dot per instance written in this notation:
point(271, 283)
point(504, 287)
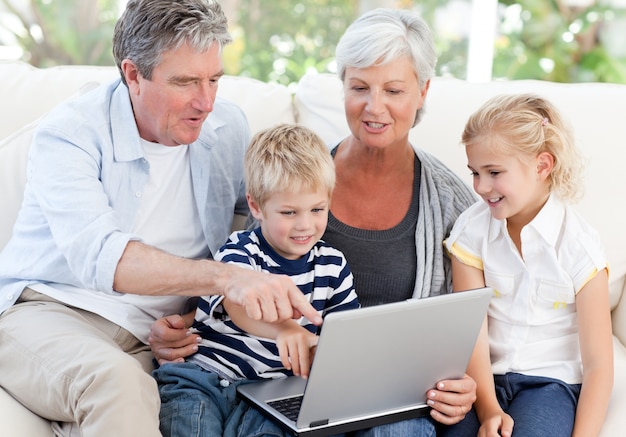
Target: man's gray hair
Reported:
point(148, 28)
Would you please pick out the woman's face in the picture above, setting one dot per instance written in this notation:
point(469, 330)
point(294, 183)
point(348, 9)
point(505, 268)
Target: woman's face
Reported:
point(381, 102)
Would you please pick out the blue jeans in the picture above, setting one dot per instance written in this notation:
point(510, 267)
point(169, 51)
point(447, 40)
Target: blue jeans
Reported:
point(195, 403)
point(539, 406)
point(420, 427)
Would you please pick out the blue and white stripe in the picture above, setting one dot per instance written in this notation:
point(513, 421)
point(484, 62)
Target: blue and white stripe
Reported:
point(323, 277)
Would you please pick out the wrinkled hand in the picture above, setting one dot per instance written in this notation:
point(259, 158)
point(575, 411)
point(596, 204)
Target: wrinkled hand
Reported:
point(270, 298)
point(296, 347)
point(451, 400)
point(171, 341)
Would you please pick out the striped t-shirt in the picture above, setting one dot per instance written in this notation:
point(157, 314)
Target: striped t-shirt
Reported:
point(324, 278)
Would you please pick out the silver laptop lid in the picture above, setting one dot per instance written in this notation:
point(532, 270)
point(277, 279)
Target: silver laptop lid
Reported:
point(385, 358)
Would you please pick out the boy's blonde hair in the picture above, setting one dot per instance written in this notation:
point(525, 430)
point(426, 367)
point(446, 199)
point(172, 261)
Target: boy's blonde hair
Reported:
point(529, 125)
point(290, 158)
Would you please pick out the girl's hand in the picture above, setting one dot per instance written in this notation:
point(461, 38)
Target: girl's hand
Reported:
point(497, 424)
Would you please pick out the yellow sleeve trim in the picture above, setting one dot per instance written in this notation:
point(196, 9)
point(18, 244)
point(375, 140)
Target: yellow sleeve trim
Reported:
point(592, 275)
point(465, 257)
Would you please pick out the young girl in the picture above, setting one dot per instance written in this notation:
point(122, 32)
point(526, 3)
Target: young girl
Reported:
point(544, 360)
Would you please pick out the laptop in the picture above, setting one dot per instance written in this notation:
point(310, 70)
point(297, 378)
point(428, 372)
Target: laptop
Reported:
point(375, 365)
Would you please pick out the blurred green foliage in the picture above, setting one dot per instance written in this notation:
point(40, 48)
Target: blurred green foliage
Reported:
point(280, 40)
point(558, 41)
point(56, 32)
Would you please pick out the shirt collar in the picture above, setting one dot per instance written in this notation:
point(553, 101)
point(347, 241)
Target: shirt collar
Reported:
point(547, 223)
point(126, 140)
point(124, 132)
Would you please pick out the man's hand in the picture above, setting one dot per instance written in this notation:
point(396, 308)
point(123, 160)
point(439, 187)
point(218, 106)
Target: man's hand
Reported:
point(171, 341)
point(451, 400)
point(267, 297)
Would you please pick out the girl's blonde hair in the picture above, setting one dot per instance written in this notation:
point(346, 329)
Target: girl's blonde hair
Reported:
point(290, 158)
point(529, 125)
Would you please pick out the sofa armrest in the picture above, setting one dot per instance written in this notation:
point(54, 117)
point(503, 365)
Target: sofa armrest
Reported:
point(17, 421)
point(619, 312)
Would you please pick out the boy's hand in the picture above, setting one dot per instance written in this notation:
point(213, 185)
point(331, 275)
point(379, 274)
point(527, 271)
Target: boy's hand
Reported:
point(296, 347)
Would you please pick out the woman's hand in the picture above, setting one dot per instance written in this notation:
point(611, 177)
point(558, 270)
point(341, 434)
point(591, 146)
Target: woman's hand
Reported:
point(451, 400)
point(171, 341)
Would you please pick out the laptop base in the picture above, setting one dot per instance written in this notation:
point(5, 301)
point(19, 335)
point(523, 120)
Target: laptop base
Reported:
point(324, 430)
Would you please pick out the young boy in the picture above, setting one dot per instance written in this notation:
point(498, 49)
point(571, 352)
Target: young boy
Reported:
point(290, 177)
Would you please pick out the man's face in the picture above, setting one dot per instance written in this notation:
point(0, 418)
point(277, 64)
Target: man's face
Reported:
point(171, 107)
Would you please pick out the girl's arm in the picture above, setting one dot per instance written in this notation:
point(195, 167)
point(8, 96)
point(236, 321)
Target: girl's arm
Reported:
point(596, 346)
point(492, 418)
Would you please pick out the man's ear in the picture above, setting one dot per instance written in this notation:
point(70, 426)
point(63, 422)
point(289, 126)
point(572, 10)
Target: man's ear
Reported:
point(545, 164)
point(255, 208)
point(131, 73)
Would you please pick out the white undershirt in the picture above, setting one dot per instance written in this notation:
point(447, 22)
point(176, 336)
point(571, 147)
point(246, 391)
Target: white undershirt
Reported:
point(168, 195)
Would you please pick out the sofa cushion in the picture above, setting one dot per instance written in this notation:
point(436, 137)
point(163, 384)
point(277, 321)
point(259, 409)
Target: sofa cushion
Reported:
point(265, 104)
point(48, 86)
point(17, 421)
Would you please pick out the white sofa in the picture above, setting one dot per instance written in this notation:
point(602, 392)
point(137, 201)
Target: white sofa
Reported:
point(596, 111)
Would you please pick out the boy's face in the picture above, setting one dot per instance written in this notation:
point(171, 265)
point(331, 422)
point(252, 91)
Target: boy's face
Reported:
point(292, 222)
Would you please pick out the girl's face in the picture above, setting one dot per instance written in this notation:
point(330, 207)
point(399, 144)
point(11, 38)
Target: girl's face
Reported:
point(381, 102)
point(514, 187)
point(292, 222)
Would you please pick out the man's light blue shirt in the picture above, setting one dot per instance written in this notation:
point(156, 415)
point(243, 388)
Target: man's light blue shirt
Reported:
point(86, 173)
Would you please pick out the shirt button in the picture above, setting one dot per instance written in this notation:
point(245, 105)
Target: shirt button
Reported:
point(138, 194)
point(9, 297)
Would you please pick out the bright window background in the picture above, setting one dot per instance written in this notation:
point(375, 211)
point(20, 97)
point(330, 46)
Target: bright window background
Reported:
point(280, 40)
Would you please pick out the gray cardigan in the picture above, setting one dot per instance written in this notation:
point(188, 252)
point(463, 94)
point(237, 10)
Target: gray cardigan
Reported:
point(442, 198)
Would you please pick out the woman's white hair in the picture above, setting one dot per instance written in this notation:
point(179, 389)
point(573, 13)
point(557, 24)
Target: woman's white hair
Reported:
point(383, 35)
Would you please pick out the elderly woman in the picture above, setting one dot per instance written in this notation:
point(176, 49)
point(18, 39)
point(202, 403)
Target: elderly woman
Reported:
point(393, 204)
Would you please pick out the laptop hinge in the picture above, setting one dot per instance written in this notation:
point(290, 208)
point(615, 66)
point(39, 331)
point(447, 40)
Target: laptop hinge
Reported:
point(317, 423)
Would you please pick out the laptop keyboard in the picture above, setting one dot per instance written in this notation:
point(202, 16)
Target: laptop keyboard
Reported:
point(290, 407)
